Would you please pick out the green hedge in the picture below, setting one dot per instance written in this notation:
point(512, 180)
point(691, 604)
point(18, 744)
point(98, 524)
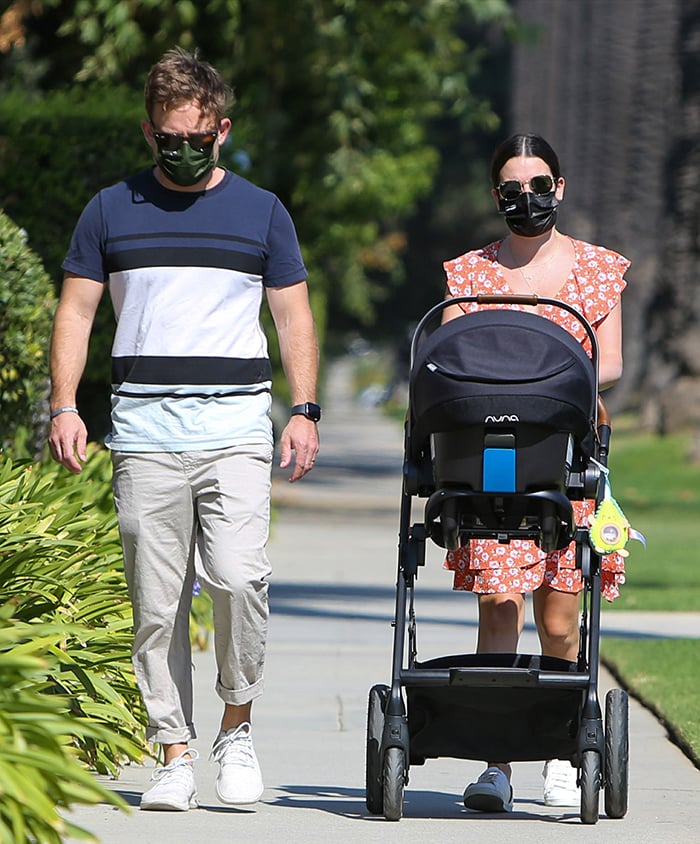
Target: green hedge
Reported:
point(56, 152)
point(26, 310)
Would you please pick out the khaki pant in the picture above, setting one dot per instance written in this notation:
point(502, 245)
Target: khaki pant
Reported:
point(168, 504)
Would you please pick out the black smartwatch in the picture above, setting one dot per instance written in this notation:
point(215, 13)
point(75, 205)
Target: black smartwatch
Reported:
point(309, 409)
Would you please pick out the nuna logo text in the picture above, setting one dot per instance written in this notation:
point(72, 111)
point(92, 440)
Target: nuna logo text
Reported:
point(508, 417)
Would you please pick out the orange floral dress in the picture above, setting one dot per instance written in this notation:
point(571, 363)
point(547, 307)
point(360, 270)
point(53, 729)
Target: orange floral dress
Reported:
point(593, 287)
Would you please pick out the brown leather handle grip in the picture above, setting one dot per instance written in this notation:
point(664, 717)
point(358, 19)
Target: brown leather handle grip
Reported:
point(511, 299)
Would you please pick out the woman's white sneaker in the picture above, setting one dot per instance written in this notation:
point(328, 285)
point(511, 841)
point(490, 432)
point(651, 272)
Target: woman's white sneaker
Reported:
point(560, 787)
point(174, 789)
point(239, 781)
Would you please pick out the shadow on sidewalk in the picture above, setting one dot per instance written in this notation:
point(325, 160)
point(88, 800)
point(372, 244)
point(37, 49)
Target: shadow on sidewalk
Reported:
point(350, 802)
point(376, 604)
point(418, 804)
point(373, 603)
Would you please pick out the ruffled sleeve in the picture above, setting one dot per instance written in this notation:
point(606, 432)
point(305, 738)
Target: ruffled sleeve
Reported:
point(474, 272)
point(600, 273)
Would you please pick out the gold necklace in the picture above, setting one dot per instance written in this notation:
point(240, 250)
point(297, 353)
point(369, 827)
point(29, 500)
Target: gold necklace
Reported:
point(539, 269)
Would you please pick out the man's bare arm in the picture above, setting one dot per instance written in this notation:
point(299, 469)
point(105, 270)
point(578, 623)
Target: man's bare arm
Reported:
point(294, 323)
point(73, 321)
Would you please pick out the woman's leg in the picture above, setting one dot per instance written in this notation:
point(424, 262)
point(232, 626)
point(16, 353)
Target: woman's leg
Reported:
point(501, 619)
point(557, 619)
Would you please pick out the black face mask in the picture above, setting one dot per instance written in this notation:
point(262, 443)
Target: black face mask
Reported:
point(529, 214)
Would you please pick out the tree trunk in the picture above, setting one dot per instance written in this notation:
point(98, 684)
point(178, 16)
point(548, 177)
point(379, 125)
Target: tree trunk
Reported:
point(599, 80)
point(674, 382)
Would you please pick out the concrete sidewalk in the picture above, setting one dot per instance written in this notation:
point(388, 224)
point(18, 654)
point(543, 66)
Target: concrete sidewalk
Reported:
point(333, 549)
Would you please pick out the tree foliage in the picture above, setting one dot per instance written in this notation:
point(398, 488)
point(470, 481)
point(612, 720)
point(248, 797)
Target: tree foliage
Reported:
point(343, 134)
point(51, 43)
point(335, 102)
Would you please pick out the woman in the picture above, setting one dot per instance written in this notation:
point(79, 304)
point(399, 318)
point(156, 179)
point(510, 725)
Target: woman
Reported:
point(535, 258)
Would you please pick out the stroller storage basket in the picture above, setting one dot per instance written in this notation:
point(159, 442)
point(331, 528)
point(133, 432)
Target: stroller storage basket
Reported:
point(494, 706)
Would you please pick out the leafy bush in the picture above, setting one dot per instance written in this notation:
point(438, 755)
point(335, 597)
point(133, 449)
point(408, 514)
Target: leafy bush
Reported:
point(26, 310)
point(65, 642)
point(40, 774)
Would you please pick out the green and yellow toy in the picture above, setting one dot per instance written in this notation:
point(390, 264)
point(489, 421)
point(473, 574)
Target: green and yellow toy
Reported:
point(610, 531)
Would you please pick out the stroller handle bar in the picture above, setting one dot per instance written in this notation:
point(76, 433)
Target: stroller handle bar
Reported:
point(530, 300)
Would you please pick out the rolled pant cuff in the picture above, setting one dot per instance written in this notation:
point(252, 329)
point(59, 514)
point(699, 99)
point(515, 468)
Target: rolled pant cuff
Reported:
point(239, 697)
point(171, 735)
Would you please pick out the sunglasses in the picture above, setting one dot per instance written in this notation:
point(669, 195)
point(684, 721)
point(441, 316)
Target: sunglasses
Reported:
point(539, 185)
point(199, 141)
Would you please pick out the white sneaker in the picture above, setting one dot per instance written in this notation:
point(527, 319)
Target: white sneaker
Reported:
point(560, 787)
point(492, 792)
point(239, 781)
point(174, 789)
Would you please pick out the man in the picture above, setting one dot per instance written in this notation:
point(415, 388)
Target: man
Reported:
point(187, 249)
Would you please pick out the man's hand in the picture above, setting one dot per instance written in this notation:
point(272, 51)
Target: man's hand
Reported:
point(68, 441)
point(301, 437)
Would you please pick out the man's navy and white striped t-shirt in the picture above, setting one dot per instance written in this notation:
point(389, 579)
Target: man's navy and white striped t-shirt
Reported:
point(186, 272)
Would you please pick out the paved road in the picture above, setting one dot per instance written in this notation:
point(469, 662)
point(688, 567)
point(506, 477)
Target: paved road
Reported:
point(333, 548)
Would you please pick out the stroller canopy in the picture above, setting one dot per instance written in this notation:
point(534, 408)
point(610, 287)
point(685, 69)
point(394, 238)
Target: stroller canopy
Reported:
point(500, 366)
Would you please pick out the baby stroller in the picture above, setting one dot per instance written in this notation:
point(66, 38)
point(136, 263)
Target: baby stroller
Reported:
point(504, 430)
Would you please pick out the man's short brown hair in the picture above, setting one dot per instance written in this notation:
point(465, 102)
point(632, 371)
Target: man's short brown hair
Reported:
point(180, 78)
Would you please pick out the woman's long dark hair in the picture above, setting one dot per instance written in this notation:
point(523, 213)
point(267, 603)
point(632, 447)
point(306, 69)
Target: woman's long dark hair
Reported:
point(530, 146)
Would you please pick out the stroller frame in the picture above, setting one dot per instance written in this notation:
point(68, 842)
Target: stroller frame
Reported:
point(552, 705)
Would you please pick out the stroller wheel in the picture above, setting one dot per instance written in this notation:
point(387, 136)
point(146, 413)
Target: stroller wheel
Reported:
point(394, 780)
point(374, 790)
point(616, 753)
point(590, 786)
